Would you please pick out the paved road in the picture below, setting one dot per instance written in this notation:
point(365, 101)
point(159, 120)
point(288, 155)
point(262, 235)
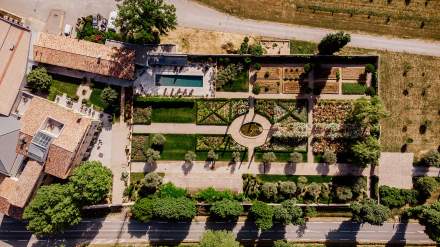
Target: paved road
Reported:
point(194, 15)
point(119, 231)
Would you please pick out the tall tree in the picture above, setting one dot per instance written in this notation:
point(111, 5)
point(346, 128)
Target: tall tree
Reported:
point(333, 42)
point(39, 80)
point(370, 212)
point(51, 210)
point(368, 112)
point(226, 209)
point(263, 214)
point(91, 182)
point(109, 96)
point(144, 21)
point(218, 239)
point(366, 151)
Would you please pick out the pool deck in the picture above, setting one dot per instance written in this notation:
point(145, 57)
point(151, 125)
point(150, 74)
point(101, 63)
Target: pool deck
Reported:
point(146, 83)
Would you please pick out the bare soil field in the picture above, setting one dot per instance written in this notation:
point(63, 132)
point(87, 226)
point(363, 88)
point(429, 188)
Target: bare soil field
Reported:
point(413, 18)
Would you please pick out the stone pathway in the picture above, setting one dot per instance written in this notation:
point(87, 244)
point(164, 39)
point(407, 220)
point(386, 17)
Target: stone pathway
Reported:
point(395, 169)
point(176, 128)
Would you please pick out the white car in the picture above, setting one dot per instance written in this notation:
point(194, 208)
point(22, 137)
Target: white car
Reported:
point(67, 30)
point(111, 20)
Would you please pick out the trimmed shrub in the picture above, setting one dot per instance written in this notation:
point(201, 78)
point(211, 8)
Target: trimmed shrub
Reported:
point(211, 195)
point(174, 209)
point(170, 190)
point(263, 214)
point(226, 209)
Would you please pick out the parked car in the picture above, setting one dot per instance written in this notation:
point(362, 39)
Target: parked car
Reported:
point(67, 30)
point(111, 21)
point(95, 21)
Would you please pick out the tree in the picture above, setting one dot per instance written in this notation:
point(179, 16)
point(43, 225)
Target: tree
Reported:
point(51, 210)
point(301, 184)
point(142, 210)
point(395, 197)
point(144, 21)
point(152, 181)
point(190, 156)
point(367, 112)
point(220, 238)
point(270, 191)
point(226, 209)
point(329, 157)
point(425, 186)
point(39, 80)
point(253, 49)
point(287, 189)
point(91, 182)
point(296, 157)
point(432, 158)
point(109, 96)
point(262, 213)
point(344, 193)
point(366, 151)
point(228, 74)
point(170, 190)
point(370, 212)
point(158, 140)
point(236, 157)
point(269, 157)
point(152, 155)
point(296, 213)
point(333, 42)
point(313, 190)
point(212, 156)
point(174, 209)
point(281, 215)
point(251, 186)
point(429, 216)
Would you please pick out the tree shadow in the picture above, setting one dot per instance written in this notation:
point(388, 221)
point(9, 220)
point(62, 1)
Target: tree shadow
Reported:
point(248, 233)
point(264, 168)
point(290, 168)
point(83, 233)
point(277, 232)
point(187, 167)
point(398, 238)
point(19, 237)
point(216, 224)
point(150, 167)
point(162, 232)
point(345, 234)
point(322, 169)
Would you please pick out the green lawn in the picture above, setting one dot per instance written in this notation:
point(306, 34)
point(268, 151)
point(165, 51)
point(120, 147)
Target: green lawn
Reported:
point(61, 85)
point(176, 146)
point(353, 88)
point(95, 98)
point(165, 114)
point(281, 156)
point(241, 84)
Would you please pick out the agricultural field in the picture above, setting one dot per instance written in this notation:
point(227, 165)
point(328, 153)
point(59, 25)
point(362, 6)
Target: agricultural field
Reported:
point(411, 18)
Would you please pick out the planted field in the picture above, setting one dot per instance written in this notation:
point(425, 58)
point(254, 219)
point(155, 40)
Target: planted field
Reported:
point(410, 89)
point(416, 18)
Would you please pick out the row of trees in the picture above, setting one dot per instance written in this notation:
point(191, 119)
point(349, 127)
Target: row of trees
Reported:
point(56, 207)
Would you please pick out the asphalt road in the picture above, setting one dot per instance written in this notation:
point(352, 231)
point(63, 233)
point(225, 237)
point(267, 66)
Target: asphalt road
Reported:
point(191, 14)
point(14, 234)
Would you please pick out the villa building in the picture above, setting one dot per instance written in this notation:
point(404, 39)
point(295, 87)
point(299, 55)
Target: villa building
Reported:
point(48, 140)
point(65, 55)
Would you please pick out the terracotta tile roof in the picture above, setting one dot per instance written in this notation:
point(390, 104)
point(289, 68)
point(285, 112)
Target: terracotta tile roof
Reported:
point(85, 56)
point(14, 48)
point(75, 124)
point(15, 193)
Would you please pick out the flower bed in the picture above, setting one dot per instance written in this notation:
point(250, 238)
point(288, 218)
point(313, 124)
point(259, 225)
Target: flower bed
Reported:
point(334, 131)
point(319, 145)
point(142, 115)
point(218, 143)
point(331, 111)
point(251, 129)
point(289, 128)
point(138, 144)
point(220, 111)
point(277, 110)
point(284, 144)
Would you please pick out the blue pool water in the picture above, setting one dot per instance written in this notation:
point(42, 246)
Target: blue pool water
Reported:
point(179, 80)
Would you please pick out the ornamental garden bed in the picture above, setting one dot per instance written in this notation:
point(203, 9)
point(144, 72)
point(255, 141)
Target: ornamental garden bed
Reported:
point(220, 111)
point(278, 110)
point(176, 146)
point(305, 189)
point(163, 110)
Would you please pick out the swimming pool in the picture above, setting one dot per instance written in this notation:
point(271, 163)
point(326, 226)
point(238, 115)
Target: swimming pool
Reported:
point(179, 80)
